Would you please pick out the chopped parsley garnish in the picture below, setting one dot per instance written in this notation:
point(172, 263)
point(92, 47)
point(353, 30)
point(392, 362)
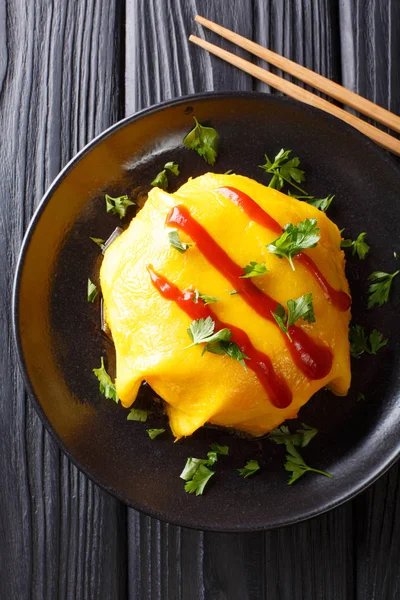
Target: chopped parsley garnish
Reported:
point(301, 438)
point(254, 269)
point(250, 468)
point(99, 241)
point(224, 450)
point(296, 466)
point(192, 464)
point(137, 414)
point(358, 246)
point(196, 472)
point(107, 388)
point(233, 293)
point(118, 206)
point(91, 291)
point(230, 349)
point(284, 169)
point(379, 289)
point(204, 140)
point(176, 243)
point(361, 342)
point(199, 480)
point(360, 396)
point(206, 299)
point(321, 203)
point(161, 180)
point(153, 433)
point(294, 461)
point(294, 239)
point(201, 331)
point(302, 308)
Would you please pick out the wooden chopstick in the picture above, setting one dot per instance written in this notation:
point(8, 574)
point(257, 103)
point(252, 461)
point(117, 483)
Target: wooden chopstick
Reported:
point(321, 83)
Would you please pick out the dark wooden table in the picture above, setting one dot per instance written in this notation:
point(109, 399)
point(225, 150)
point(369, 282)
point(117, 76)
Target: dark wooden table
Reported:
point(69, 69)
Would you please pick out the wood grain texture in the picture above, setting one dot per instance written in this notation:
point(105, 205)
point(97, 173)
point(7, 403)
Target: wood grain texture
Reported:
point(60, 536)
point(370, 45)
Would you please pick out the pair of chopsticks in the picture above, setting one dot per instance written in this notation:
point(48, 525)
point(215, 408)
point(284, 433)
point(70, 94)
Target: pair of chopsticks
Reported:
point(336, 91)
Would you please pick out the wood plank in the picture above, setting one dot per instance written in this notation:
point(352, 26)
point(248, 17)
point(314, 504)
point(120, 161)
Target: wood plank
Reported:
point(370, 47)
point(59, 86)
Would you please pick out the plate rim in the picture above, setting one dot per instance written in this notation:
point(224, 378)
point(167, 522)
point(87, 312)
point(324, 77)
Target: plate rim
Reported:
point(390, 458)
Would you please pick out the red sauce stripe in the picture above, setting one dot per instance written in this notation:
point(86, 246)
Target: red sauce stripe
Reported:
point(275, 386)
point(340, 299)
point(313, 360)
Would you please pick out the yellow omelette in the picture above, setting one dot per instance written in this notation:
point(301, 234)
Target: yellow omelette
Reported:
point(150, 330)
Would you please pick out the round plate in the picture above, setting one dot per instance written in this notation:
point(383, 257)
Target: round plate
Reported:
point(60, 341)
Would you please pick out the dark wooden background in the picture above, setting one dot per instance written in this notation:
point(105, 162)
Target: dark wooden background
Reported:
point(68, 69)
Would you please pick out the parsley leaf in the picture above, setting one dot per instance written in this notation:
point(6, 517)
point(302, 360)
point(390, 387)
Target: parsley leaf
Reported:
point(199, 481)
point(202, 331)
point(118, 206)
point(212, 458)
point(294, 239)
point(206, 299)
point(360, 342)
point(322, 203)
point(251, 467)
point(380, 288)
point(153, 433)
point(360, 396)
point(136, 414)
point(297, 309)
point(301, 438)
point(204, 140)
point(230, 349)
point(176, 243)
point(224, 450)
point(161, 180)
point(91, 291)
point(254, 269)
point(173, 167)
point(359, 246)
point(98, 241)
point(284, 169)
point(296, 465)
point(192, 464)
point(302, 308)
point(233, 293)
point(107, 388)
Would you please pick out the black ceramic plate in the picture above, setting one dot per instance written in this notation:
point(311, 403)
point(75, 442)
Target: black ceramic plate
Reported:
point(60, 341)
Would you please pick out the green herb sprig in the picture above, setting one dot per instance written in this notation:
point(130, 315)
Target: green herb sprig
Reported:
point(91, 291)
point(176, 243)
point(118, 206)
point(202, 331)
point(107, 387)
point(161, 180)
point(379, 289)
point(359, 246)
point(302, 308)
point(250, 468)
point(294, 239)
point(294, 461)
point(361, 342)
point(254, 269)
point(204, 140)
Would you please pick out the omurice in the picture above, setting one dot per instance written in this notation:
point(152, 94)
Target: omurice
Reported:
point(230, 300)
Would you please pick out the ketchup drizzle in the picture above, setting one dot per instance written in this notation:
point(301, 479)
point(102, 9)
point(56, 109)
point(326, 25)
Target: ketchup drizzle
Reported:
point(340, 299)
point(275, 386)
point(313, 360)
